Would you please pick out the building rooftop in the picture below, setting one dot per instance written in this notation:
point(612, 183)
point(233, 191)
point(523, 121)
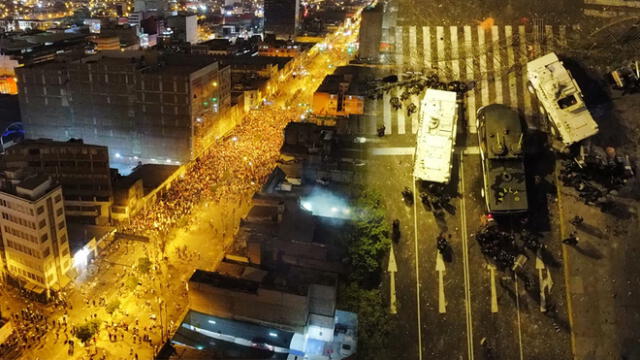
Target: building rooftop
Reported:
point(29, 186)
point(152, 175)
point(80, 234)
point(224, 281)
point(356, 77)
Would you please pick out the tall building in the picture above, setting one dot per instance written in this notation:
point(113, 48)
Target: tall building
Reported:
point(141, 105)
point(34, 231)
point(81, 169)
point(371, 33)
point(281, 17)
point(184, 28)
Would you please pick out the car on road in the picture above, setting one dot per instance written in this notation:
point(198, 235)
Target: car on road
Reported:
point(500, 138)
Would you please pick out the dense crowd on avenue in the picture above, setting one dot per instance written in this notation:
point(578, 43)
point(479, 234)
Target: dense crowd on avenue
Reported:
point(235, 165)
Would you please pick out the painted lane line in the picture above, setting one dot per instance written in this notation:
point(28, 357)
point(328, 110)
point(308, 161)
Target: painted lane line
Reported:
point(415, 118)
point(565, 262)
point(518, 317)
point(417, 262)
point(494, 292)
point(440, 269)
point(465, 263)
point(540, 267)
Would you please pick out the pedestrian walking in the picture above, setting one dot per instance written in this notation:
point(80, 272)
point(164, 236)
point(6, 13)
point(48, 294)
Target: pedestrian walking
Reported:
point(572, 239)
point(577, 220)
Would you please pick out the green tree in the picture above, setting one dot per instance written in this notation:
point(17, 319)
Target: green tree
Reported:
point(368, 239)
point(113, 305)
point(144, 265)
point(375, 325)
point(132, 282)
point(87, 330)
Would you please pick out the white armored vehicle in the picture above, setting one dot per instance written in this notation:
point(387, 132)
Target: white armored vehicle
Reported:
point(560, 101)
point(436, 136)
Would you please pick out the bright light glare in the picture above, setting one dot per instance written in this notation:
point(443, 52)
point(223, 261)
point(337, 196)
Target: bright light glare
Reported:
point(235, 138)
point(272, 334)
point(322, 202)
point(212, 322)
point(306, 205)
point(81, 258)
point(118, 155)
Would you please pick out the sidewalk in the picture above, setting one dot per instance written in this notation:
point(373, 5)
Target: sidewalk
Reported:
point(603, 277)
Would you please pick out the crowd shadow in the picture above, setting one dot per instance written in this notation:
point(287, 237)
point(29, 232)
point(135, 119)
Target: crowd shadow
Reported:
point(591, 230)
point(589, 250)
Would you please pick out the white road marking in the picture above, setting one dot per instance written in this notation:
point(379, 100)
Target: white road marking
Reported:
point(417, 263)
point(562, 36)
point(386, 112)
point(413, 51)
point(440, 269)
point(399, 49)
point(548, 37)
point(469, 150)
point(392, 269)
point(426, 46)
point(440, 51)
point(393, 151)
point(465, 262)
point(482, 54)
point(373, 117)
point(470, 75)
point(497, 79)
point(523, 60)
point(455, 61)
point(410, 150)
point(518, 318)
point(494, 292)
point(400, 115)
point(540, 267)
point(415, 118)
point(513, 90)
point(536, 40)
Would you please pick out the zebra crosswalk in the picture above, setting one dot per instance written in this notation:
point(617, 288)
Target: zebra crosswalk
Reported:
point(492, 60)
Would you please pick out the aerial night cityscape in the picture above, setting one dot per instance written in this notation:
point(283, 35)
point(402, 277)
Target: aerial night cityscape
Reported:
point(320, 179)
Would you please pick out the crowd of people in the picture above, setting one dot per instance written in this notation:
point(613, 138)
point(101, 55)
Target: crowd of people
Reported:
point(234, 166)
point(499, 246)
point(30, 325)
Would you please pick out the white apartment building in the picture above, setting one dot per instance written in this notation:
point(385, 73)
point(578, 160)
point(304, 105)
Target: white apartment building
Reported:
point(34, 231)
